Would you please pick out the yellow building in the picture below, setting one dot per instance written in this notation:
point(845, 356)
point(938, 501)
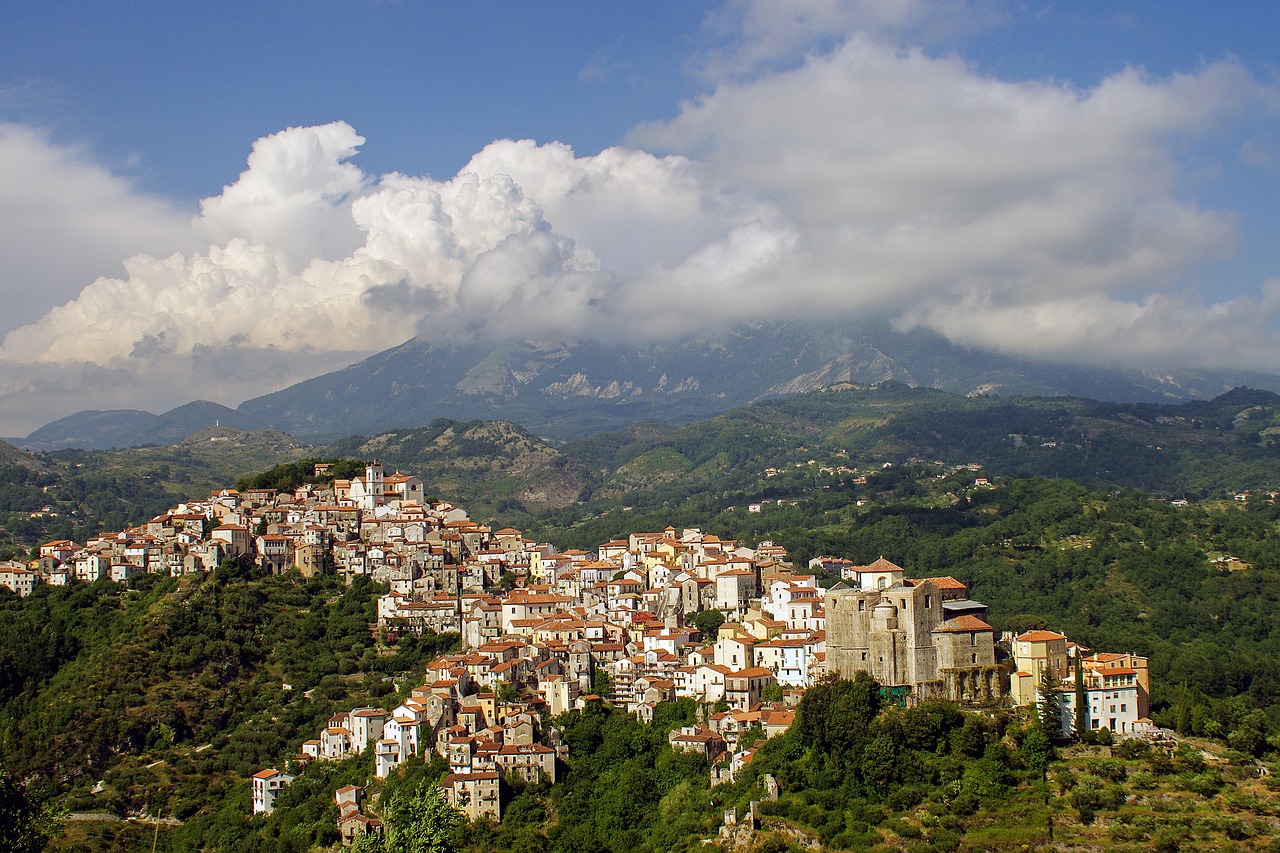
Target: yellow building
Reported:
point(1033, 651)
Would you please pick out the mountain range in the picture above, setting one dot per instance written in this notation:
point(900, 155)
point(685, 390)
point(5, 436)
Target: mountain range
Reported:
point(563, 389)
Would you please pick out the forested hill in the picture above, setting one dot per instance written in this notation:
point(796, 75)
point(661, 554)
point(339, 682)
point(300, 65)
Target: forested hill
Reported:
point(1196, 450)
point(163, 696)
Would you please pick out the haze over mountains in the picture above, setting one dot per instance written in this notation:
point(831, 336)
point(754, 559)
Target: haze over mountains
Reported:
point(565, 389)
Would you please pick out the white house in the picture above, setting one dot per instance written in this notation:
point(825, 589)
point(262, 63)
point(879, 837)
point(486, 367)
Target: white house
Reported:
point(266, 785)
point(1110, 697)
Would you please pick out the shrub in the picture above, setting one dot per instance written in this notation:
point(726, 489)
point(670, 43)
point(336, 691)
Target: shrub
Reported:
point(1112, 771)
point(1131, 749)
point(902, 829)
point(944, 840)
point(906, 797)
point(1143, 780)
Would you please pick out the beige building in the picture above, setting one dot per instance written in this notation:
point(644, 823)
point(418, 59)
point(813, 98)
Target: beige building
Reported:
point(924, 635)
point(474, 794)
point(19, 578)
point(266, 785)
point(1033, 652)
point(532, 762)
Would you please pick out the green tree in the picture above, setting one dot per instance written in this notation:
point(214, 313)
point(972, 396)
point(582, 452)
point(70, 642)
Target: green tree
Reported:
point(1036, 750)
point(25, 824)
point(708, 622)
point(1251, 735)
point(1049, 707)
point(418, 822)
point(836, 717)
point(1081, 724)
point(601, 683)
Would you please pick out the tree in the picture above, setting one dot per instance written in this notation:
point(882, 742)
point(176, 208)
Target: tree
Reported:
point(1081, 723)
point(1049, 708)
point(708, 622)
point(418, 822)
point(1251, 735)
point(835, 717)
point(25, 825)
point(602, 683)
point(1036, 749)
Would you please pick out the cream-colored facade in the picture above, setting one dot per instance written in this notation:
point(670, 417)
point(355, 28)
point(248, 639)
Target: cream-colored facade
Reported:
point(1033, 652)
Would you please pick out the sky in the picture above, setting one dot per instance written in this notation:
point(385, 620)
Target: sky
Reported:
point(213, 201)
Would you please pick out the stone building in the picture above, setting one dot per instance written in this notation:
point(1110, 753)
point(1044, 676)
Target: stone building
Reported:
point(925, 635)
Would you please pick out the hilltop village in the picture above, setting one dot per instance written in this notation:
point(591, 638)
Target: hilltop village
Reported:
point(655, 617)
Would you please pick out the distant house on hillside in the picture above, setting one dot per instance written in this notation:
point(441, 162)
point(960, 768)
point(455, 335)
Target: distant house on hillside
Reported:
point(266, 785)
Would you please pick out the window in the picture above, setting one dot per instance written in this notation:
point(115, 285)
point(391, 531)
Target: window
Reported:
point(1122, 707)
point(927, 599)
point(862, 605)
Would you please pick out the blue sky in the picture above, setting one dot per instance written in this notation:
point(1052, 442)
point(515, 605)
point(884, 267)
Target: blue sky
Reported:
point(172, 94)
point(1087, 182)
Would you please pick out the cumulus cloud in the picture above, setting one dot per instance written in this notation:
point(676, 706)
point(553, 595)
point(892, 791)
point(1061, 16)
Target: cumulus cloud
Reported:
point(471, 256)
point(1034, 217)
point(65, 219)
point(295, 195)
point(634, 210)
point(918, 186)
point(469, 246)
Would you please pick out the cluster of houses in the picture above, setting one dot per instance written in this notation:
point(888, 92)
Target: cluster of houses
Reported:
point(549, 631)
point(378, 524)
point(1114, 689)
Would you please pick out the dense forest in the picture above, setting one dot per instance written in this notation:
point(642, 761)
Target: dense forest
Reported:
point(158, 696)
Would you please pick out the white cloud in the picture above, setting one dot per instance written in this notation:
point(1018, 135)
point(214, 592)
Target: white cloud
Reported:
point(295, 196)
point(1161, 330)
point(765, 33)
point(469, 256)
point(1033, 217)
point(65, 219)
point(633, 210)
point(918, 186)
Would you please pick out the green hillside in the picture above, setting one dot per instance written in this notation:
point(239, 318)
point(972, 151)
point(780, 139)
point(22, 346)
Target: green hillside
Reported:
point(1197, 449)
point(161, 697)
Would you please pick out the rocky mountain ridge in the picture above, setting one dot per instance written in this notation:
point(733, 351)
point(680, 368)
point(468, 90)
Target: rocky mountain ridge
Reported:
point(565, 389)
